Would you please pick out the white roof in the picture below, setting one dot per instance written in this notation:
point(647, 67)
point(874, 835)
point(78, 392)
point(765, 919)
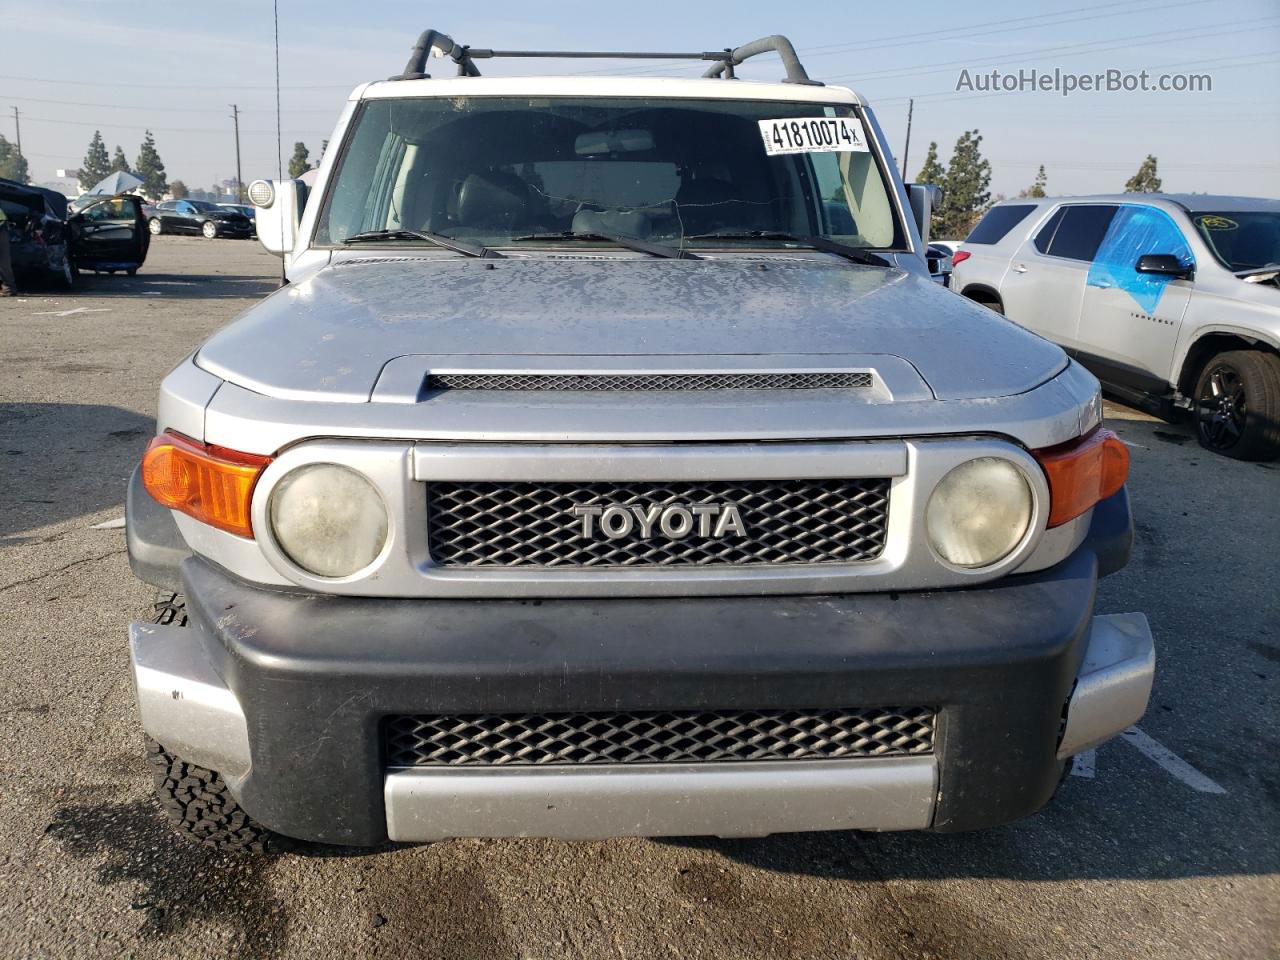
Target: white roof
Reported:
point(671, 88)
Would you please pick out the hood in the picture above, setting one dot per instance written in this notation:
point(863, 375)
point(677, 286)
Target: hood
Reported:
point(329, 336)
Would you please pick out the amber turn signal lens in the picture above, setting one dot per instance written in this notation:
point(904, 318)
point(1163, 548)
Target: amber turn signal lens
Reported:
point(1082, 472)
point(212, 484)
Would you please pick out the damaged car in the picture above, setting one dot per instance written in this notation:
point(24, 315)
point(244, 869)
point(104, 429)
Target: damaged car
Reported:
point(47, 242)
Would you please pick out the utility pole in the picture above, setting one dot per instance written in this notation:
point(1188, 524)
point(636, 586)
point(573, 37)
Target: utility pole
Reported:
point(235, 115)
point(906, 149)
point(17, 129)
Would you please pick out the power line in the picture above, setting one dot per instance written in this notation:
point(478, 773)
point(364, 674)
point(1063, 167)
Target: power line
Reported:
point(180, 86)
point(1082, 49)
point(148, 108)
point(1071, 15)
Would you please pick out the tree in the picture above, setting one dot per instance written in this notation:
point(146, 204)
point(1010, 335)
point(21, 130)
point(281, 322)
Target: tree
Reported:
point(119, 162)
point(96, 165)
point(150, 168)
point(1145, 180)
point(179, 190)
point(964, 192)
point(13, 165)
point(1037, 188)
point(298, 164)
point(932, 171)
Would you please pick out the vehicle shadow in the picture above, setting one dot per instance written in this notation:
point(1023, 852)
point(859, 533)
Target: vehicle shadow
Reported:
point(59, 461)
point(176, 286)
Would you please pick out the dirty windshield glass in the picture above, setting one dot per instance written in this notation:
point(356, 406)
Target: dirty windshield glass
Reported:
point(1241, 240)
point(701, 173)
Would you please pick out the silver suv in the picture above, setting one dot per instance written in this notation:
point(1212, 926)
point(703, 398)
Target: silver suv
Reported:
point(610, 465)
point(1172, 300)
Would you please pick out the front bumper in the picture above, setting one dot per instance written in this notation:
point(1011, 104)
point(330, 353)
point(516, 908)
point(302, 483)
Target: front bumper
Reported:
point(285, 693)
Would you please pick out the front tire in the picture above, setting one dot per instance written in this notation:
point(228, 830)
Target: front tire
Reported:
point(1237, 405)
point(155, 227)
point(195, 800)
point(199, 806)
point(209, 229)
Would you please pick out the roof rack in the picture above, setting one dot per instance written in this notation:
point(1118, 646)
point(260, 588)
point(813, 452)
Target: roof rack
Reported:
point(726, 60)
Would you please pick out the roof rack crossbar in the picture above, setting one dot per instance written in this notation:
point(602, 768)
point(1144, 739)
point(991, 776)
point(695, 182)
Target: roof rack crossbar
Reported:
point(726, 59)
point(776, 43)
point(598, 54)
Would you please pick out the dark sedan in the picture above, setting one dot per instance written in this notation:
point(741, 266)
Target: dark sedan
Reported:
point(199, 216)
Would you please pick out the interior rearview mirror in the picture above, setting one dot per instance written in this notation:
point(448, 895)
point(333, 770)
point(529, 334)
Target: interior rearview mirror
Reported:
point(1162, 265)
point(612, 141)
point(924, 199)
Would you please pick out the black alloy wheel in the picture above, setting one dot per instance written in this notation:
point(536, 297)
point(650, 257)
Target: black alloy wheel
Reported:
point(1237, 405)
point(1222, 407)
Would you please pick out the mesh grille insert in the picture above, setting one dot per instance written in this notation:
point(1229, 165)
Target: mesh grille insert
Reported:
point(478, 524)
point(675, 736)
point(649, 381)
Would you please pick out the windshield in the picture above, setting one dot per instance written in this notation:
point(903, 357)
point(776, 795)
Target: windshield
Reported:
point(1241, 240)
point(494, 170)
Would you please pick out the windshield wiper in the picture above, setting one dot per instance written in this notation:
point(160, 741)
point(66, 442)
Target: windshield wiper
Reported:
point(439, 239)
point(627, 243)
point(817, 243)
point(1265, 268)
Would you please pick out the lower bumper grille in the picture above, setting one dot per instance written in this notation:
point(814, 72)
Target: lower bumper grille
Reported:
point(486, 524)
point(675, 736)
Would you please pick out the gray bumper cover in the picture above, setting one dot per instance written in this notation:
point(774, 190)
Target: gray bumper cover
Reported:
point(186, 706)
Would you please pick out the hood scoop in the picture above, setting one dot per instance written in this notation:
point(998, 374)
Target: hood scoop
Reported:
point(600, 382)
point(858, 378)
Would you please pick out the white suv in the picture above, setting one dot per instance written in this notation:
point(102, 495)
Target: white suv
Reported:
point(1171, 300)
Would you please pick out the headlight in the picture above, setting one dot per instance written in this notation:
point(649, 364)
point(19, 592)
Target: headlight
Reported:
point(329, 520)
point(979, 512)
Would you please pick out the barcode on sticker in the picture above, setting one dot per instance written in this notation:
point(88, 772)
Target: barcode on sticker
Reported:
point(813, 135)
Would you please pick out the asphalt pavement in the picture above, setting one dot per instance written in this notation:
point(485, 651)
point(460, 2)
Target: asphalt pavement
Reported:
point(1164, 843)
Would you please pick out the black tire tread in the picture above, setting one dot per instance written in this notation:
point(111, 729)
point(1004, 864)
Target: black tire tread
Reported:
point(1260, 371)
point(198, 803)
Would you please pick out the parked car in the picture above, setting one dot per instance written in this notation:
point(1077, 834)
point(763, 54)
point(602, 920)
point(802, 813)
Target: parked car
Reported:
point(1170, 299)
point(591, 478)
point(938, 258)
point(37, 232)
point(105, 234)
point(199, 216)
point(247, 209)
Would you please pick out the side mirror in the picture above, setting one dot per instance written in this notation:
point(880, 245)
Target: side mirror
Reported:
point(277, 212)
point(1162, 265)
point(924, 199)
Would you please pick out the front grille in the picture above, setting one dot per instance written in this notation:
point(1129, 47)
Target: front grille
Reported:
point(486, 524)
point(676, 736)
point(837, 380)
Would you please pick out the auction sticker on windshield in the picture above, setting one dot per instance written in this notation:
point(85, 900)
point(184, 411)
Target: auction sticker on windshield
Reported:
point(813, 135)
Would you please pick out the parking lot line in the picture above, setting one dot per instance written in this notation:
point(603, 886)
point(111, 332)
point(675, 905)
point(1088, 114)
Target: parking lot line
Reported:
point(1083, 764)
point(1174, 764)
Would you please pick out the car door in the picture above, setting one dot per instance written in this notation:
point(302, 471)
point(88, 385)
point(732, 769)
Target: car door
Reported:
point(184, 217)
point(1129, 321)
point(110, 232)
point(1043, 287)
point(168, 214)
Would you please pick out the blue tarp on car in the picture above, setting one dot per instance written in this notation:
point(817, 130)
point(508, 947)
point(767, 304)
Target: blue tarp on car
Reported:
point(1136, 231)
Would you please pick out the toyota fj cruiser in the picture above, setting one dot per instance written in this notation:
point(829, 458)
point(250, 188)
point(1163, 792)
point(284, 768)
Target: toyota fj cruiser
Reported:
point(610, 466)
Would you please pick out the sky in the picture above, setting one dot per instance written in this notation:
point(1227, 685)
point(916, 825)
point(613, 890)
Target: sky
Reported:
point(176, 67)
